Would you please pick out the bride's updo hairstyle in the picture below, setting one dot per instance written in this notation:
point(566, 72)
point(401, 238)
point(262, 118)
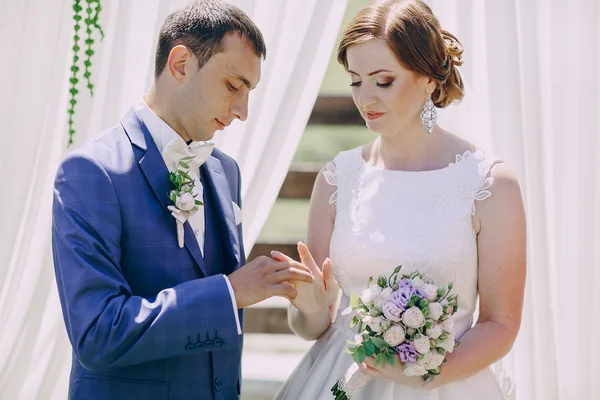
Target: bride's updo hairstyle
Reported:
point(415, 36)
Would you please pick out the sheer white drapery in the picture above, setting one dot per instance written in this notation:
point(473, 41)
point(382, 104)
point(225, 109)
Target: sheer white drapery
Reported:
point(36, 41)
point(533, 70)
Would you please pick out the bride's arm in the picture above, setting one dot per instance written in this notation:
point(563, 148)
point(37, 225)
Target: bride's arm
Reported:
point(320, 226)
point(502, 259)
point(501, 244)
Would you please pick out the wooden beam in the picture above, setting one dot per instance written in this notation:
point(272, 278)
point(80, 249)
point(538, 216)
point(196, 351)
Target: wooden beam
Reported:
point(335, 110)
point(299, 181)
point(264, 249)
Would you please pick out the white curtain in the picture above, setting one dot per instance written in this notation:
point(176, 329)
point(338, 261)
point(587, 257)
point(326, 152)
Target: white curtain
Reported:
point(35, 43)
point(533, 67)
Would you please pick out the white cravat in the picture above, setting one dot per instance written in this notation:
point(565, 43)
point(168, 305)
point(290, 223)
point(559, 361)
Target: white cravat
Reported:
point(171, 146)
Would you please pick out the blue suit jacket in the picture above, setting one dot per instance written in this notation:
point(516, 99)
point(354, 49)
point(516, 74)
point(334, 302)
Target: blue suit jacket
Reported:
point(146, 319)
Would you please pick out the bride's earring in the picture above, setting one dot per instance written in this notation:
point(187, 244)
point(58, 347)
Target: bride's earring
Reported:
point(429, 115)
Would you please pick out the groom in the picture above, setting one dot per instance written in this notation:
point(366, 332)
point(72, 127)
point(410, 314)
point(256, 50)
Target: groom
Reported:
point(151, 315)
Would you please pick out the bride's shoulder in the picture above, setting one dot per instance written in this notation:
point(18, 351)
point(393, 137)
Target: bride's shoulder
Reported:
point(346, 157)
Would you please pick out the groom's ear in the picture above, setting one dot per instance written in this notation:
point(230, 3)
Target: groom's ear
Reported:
point(179, 61)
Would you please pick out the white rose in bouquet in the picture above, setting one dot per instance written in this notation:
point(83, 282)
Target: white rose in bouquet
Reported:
point(448, 325)
point(370, 294)
point(425, 358)
point(385, 294)
point(414, 369)
point(418, 282)
point(434, 332)
point(413, 318)
point(430, 291)
point(394, 336)
point(375, 323)
point(422, 344)
point(435, 361)
point(448, 343)
point(435, 310)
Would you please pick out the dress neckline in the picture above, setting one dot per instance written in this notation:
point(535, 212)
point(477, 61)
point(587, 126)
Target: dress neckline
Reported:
point(457, 160)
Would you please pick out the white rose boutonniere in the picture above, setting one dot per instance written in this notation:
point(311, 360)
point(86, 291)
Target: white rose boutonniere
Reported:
point(184, 200)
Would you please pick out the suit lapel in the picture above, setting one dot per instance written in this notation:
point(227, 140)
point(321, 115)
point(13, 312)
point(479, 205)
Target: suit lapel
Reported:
point(219, 217)
point(157, 175)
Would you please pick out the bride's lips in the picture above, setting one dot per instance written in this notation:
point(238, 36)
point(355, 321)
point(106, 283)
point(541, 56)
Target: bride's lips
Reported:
point(373, 115)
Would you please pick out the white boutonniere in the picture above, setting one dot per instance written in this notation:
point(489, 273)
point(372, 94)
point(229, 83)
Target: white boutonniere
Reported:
point(184, 200)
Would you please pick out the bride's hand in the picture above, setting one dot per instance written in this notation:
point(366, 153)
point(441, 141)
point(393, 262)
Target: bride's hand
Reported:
point(319, 295)
point(395, 373)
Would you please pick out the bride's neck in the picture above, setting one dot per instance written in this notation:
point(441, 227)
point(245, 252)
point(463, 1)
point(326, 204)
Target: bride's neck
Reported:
point(412, 149)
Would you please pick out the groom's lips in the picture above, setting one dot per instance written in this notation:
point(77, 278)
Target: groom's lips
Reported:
point(221, 125)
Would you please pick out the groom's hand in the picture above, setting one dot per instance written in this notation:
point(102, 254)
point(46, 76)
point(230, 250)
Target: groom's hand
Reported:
point(264, 277)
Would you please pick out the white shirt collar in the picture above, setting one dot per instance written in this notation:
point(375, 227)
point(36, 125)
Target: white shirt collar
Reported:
point(161, 132)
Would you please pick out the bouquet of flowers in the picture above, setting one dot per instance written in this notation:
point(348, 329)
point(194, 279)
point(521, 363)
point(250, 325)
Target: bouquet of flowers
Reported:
point(406, 315)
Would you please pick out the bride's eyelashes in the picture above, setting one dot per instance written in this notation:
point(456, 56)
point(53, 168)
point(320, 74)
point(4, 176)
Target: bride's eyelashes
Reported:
point(381, 85)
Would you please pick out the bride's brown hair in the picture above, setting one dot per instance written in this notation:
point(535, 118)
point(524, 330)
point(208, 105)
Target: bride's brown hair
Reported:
point(415, 36)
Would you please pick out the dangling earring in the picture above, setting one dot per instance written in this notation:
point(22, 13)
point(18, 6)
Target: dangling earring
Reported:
point(429, 115)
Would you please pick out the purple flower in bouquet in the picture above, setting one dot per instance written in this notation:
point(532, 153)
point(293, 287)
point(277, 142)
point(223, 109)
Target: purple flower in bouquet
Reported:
point(420, 292)
point(402, 296)
point(407, 352)
point(405, 282)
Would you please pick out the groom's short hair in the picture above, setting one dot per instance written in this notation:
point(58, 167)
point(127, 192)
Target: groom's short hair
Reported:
point(201, 27)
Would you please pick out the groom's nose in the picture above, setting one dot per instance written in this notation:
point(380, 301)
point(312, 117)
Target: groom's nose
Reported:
point(239, 108)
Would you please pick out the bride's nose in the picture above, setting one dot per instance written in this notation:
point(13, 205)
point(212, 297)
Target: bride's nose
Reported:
point(365, 98)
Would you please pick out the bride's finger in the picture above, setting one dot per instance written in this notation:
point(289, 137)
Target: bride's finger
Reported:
point(328, 276)
point(307, 259)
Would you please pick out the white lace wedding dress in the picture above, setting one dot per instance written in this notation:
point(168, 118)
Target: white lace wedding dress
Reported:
point(385, 218)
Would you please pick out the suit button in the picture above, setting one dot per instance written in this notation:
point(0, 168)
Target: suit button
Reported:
point(209, 344)
point(219, 342)
point(218, 383)
point(190, 347)
point(200, 345)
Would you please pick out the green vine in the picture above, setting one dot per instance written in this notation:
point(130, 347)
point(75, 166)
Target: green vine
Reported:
point(92, 12)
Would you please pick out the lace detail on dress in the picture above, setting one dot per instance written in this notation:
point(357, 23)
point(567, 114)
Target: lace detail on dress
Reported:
point(506, 384)
point(330, 175)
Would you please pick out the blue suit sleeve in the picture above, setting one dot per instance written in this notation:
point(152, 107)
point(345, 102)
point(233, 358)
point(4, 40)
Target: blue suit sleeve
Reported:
point(107, 324)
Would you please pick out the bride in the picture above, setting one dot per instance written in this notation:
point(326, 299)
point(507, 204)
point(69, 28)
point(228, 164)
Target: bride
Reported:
point(418, 196)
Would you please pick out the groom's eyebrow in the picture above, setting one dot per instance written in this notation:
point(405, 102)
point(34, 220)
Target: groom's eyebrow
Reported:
point(243, 79)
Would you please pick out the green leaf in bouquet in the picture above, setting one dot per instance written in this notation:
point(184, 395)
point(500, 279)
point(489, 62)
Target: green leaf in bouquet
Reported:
point(349, 351)
point(380, 359)
point(423, 303)
point(428, 377)
point(369, 348)
point(456, 343)
point(441, 351)
point(359, 354)
point(454, 309)
point(434, 371)
point(428, 323)
point(450, 285)
point(411, 303)
point(390, 358)
point(382, 282)
point(397, 269)
point(184, 164)
point(354, 322)
point(354, 300)
point(441, 291)
point(379, 342)
point(369, 281)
